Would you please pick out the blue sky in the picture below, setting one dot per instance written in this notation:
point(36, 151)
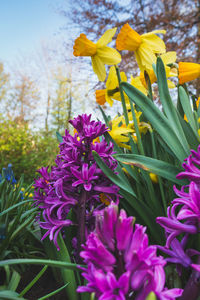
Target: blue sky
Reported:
point(24, 24)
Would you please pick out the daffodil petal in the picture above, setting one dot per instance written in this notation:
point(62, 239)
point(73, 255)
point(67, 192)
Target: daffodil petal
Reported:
point(154, 32)
point(106, 38)
point(112, 81)
point(155, 43)
point(170, 84)
point(137, 83)
point(145, 57)
point(169, 57)
point(109, 100)
point(98, 67)
point(108, 56)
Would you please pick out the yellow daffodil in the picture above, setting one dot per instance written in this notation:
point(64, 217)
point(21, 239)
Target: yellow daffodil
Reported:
point(120, 131)
point(99, 52)
point(138, 84)
point(167, 58)
point(188, 71)
point(145, 46)
point(112, 89)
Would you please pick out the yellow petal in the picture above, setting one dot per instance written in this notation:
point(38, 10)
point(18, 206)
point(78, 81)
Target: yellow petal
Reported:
point(106, 37)
point(169, 57)
point(98, 67)
point(112, 81)
point(136, 82)
point(108, 56)
point(154, 32)
point(84, 47)
point(128, 39)
point(155, 43)
point(145, 57)
point(109, 100)
point(170, 84)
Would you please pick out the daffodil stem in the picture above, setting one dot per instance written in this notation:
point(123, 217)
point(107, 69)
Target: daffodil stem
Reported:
point(122, 96)
point(140, 146)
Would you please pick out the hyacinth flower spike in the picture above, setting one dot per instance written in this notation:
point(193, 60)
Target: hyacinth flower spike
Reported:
point(120, 263)
point(75, 182)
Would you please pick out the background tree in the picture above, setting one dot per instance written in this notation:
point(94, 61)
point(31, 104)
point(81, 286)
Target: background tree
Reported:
point(4, 82)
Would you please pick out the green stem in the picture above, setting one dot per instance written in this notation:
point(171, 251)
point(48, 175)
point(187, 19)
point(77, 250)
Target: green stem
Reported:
point(122, 96)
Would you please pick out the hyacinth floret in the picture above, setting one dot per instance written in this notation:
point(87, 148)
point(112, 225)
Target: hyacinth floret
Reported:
point(120, 262)
point(183, 218)
point(75, 176)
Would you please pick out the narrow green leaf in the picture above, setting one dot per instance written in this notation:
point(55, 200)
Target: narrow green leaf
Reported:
point(67, 274)
point(111, 175)
point(153, 165)
point(157, 119)
point(14, 206)
point(10, 295)
point(168, 105)
point(185, 102)
point(14, 281)
point(48, 262)
point(54, 292)
point(37, 277)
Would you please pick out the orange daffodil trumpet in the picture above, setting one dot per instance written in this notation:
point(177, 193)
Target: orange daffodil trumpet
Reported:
point(188, 71)
point(145, 46)
point(99, 52)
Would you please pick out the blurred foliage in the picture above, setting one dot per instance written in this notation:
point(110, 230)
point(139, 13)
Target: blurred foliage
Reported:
point(25, 149)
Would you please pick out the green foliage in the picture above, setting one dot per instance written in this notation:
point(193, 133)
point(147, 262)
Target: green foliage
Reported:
point(26, 150)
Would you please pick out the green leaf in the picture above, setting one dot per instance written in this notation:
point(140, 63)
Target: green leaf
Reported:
point(168, 106)
point(37, 277)
point(157, 119)
point(10, 295)
point(14, 206)
point(14, 281)
point(116, 179)
point(67, 274)
point(54, 292)
point(185, 102)
point(153, 165)
point(48, 262)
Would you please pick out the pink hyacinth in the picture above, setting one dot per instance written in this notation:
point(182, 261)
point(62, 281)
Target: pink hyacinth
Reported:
point(120, 262)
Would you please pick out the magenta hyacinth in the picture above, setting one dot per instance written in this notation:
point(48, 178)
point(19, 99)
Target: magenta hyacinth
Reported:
point(76, 182)
point(183, 221)
point(120, 263)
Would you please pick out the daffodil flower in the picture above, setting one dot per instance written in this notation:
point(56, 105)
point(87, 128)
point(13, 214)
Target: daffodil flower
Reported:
point(188, 71)
point(120, 131)
point(112, 88)
point(145, 46)
point(167, 58)
point(100, 53)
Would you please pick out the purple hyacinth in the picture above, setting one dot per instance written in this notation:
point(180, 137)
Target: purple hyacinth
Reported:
point(192, 172)
point(120, 263)
point(76, 182)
